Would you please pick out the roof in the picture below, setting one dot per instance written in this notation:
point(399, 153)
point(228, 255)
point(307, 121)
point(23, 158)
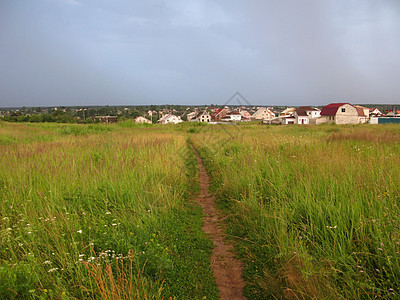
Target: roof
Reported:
point(302, 110)
point(216, 112)
point(360, 111)
point(331, 109)
point(234, 113)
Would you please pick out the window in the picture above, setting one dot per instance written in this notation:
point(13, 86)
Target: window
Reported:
point(343, 110)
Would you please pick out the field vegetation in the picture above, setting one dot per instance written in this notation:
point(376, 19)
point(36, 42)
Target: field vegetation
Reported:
point(314, 210)
point(97, 211)
point(104, 211)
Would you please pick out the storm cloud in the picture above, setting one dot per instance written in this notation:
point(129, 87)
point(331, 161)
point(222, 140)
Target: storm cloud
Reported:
point(289, 52)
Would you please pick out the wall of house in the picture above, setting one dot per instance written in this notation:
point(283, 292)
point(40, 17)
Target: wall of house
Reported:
point(302, 120)
point(348, 116)
point(315, 114)
point(324, 119)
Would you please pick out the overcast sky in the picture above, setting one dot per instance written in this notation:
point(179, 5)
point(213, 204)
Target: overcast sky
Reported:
point(114, 52)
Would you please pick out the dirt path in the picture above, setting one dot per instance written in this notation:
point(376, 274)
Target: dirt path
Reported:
point(227, 269)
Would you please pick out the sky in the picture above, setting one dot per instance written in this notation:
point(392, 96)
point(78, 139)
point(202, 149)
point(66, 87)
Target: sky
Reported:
point(114, 52)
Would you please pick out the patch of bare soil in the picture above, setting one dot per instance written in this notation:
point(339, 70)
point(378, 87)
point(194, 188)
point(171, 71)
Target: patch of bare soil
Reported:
point(226, 267)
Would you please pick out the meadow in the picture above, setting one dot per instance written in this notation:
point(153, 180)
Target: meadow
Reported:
point(100, 212)
point(106, 211)
point(313, 210)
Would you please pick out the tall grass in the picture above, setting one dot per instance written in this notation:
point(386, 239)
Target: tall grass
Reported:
point(92, 211)
point(315, 210)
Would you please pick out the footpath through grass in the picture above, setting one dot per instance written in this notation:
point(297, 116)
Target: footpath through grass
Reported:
point(94, 211)
point(315, 210)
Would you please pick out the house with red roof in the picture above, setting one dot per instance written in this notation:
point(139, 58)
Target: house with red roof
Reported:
point(219, 114)
point(339, 113)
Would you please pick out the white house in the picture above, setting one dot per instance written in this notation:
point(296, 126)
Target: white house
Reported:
point(141, 120)
point(232, 116)
point(306, 115)
point(169, 119)
point(375, 112)
point(203, 117)
point(287, 120)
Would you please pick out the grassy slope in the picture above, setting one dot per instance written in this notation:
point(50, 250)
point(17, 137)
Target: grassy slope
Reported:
point(99, 211)
point(314, 210)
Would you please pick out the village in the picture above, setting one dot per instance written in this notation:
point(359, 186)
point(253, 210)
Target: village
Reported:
point(338, 113)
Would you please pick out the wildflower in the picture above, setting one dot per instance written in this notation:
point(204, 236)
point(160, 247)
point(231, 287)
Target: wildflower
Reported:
point(81, 255)
point(52, 270)
point(382, 244)
point(377, 270)
point(29, 232)
point(108, 213)
point(114, 224)
point(47, 262)
point(380, 249)
point(79, 231)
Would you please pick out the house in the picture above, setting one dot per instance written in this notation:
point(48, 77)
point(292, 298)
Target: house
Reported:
point(306, 115)
point(170, 119)
point(339, 113)
point(191, 115)
point(105, 119)
point(375, 112)
point(263, 114)
point(287, 120)
point(203, 117)
point(246, 116)
point(233, 116)
point(219, 114)
point(394, 113)
point(287, 112)
point(141, 120)
point(363, 114)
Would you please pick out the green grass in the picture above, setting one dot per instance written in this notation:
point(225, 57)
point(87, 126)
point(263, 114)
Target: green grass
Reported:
point(94, 211)
point(314, 210)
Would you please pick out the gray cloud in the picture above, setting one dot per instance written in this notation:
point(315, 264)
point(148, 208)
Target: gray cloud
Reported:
point(190, 52)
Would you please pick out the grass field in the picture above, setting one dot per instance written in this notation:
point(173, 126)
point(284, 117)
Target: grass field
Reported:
point(96, 211)
point(100, 212)
point(314, 210)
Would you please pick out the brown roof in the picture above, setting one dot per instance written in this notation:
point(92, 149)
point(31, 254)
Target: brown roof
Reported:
point(360, 111)
point(302, 110)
